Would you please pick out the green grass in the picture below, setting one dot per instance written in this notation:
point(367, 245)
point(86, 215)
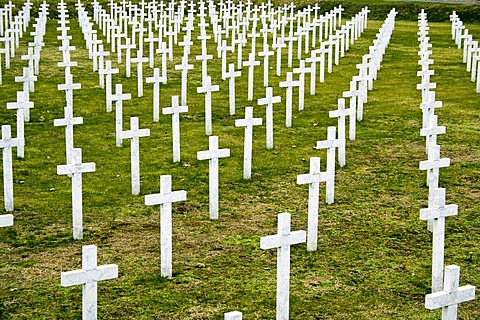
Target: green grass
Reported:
point(374, 252)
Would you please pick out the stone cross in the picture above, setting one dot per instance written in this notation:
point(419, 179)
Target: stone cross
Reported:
point(282, 241)
point(331, 144)
point(88, 277)
point(248, 123)
point(432, 131)
point(213, 154)
point(21, 106)
point(302, 70)
point(27, 78)
point(313, 179)
point(175, 111)
point(269, 100)
point(139, 60)
point(7, 143)
point(184, 67)
point(204, 58)
point(108, 71)
point(289, 84)
point(68, 121)
point(6, 220)
point(355, 95)
point(233, 315)
point(156, 80)
point(128, 46)
point(433, 165)
point(251, 63)
point(135, 134)
point(75, 170)
point(265, 54)
point(436, 212)
point(313, 71)
point(165, 199)
point(278, 44)
point(163, 50)
point(451, 296)
point(208, 89)
point(68, 87)
point(223, 51)
point(119, 97)
point(231, 75)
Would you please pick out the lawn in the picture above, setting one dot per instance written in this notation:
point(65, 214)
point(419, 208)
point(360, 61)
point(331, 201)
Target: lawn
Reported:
point(374, 253)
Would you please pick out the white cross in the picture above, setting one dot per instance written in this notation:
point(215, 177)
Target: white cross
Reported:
point(128, 46)
point(313, 179)
point(163, 50)
point(6, 220)
point(451, 295)
point(156, 80)
point(108, 71)
point(436, 213)
point(265, 54)
point(223, 52)
point(233, 315)
point(75, 170)
point(278, 44)
point(248, 123)
point(165, 199)
point(208, 89)
point(68, 121)
point(175, 111)
point(282, 241)
point(204, 58)
point(428, 108)
point(250, 63)
point(7, 143)
point(88, 277)
point(302, 70)
point(184, 67)
point(331, 144)
point(119, 97)
point(354, 94)
point(139, 60)
point(313, 71)
point(231, 75)
point(151, 42)
point(102, 54)
point(341, 113)
point(213, 154)
point(135, 134)
point(27, 79)
point(269, 100)
point(289, 84)
point(433, 164)
point(22, 105)
point(432, 131)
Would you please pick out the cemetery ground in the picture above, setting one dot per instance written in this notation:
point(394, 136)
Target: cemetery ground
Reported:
point(374, 253)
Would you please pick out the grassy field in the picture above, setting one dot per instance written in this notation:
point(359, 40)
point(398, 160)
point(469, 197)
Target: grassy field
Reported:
point(374, 252)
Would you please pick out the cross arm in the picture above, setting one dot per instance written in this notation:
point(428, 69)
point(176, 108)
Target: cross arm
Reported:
point(441, 163)
point(160, 198)
point(443, 299)
point(81, 276)
point(276, 241)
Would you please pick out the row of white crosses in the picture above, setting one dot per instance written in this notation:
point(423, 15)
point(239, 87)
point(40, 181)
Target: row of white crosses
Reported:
point(446, 293)
point(12, 29)
point(118, 97)
point(22, 105)
point(335, 142)
point(74, 167)
point(471, 49)
point(90, 273)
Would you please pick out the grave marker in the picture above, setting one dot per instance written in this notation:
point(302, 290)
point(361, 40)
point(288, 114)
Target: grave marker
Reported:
point(213, 154)
point(156, 80)
point(231, 75)
point(165, 199)
point(282, 241)
point(208, 89)
point(269, 100)
point(7, 143)
point(175, 111)
point(74, 170)
point(134, 134)
point(248, 123)
point(88, 277)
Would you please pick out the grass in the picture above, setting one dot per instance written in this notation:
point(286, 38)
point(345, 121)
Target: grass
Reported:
point(374, 252)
